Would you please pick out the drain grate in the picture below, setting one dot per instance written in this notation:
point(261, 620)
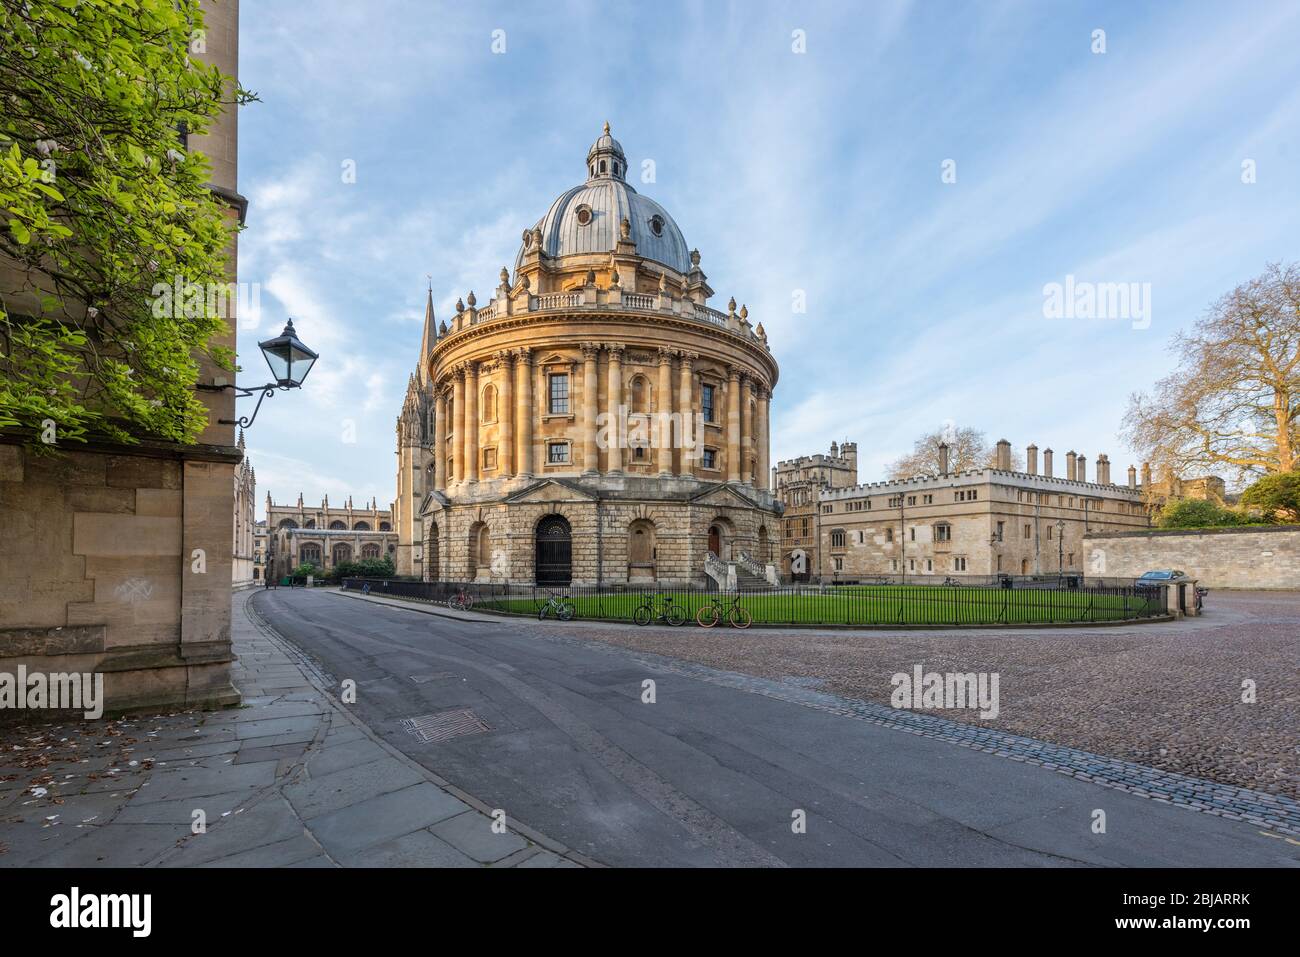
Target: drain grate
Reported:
point(444, 725)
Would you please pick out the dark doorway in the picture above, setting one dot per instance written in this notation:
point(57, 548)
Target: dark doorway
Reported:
point(715, 540)
point(554, 551)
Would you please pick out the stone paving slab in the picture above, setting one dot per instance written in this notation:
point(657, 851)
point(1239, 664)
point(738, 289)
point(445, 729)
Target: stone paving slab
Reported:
point(289, 779)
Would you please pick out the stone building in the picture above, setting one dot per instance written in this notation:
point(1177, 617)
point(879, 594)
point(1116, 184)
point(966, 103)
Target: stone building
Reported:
point(595, 421)
point(243, 570)
point(325, 536)
point(798, 484)
point(118, 559)
point(978, 522)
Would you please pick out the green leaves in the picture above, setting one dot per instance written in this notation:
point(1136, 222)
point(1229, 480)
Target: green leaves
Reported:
point(100, 200)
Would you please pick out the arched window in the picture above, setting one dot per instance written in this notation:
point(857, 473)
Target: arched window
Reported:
point(602, 166)
point(370, 550)
point(337, 525)
point(385, 527)
point(489, 407)
point(837, 538)
point(288, 523)
point(342, 552)
point(310, 523)
point(309, 554)
point(361, 527)
point(641, 546)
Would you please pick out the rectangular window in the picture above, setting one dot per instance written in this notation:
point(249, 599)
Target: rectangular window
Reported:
point(927, 500)
point(912, 533)
point(1029, 531)
point(706, 402)
point(929, 565)
point(959, 564)
point(911, 500)
point(839, 564)
point(1000, 525)
point(710, 458)
point(557, 453)
point(889, 534)
point(943, 533)
point(805, 527)
point(559, 394)
point(489, 458)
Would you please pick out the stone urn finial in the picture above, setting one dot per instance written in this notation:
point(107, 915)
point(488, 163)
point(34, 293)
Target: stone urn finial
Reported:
point(613, 278)
point(528, 283)
point(731, 305)
point(505, 276)
point(471, 300)
point(460, 305)
point(744, 311)
point(442, 328)
point(591, 277)
point(663, 283)
point(625, 229)
point(695, 258)
point(758, 331)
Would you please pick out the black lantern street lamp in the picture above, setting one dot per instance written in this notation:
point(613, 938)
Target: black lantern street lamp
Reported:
point(1060, 546)
point(289, 360)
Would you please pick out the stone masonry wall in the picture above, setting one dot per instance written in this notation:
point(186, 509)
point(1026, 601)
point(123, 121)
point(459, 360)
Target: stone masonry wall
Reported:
point(1264, 557)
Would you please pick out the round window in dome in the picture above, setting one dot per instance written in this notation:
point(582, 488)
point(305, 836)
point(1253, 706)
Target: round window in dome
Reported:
point(584, 215)
point(657, 225)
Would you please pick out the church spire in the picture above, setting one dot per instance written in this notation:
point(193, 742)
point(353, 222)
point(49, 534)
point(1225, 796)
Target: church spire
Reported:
point(429, 337)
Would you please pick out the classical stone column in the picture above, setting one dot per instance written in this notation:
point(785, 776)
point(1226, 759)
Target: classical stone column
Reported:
point(590, 385)
point(733, 425)
point(471, 422)
point(440, 439)
point(613, 408)
point(747, 431)
point(524, 414)
point(663, 410)
point(763, 435)
point(506, 415)
point(458, 403)
point(692, 438)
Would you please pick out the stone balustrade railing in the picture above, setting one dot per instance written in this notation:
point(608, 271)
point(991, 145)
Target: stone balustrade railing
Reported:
point(590, 297)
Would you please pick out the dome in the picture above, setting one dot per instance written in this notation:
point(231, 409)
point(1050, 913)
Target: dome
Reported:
point(586, 219)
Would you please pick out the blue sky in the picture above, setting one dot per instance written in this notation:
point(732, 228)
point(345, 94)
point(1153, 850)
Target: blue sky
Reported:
point(817, 171)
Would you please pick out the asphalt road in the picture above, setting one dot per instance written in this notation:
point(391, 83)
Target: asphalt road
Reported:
point(714, 776)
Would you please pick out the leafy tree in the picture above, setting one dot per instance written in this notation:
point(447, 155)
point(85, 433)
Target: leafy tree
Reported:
point(1196, 513)
point(366, 568)
point(101, 207)
point(305, 569)
point(967, 449)
point(1276, 496)
point(1234, 399)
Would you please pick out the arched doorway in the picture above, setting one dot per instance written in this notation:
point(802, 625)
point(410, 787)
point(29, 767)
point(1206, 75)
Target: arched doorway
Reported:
point(764, 546)
point(554, 553)
point(431, 568)
point(715, 540)
point(1024, 566)
point(721, 534)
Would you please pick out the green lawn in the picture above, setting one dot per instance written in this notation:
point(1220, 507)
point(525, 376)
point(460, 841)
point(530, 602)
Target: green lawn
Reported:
point(876, 605)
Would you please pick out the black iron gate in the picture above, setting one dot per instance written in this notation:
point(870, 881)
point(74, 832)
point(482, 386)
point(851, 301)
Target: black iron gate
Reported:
point(554, 551)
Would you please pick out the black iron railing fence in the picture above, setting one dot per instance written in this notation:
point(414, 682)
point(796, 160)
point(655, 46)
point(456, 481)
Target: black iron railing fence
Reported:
point(1000, 600)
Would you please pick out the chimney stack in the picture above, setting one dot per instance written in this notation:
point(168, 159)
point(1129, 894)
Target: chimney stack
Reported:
point(1047, 463)
point(1146, 475)
point(1103, 469)
point(1071, 469)
point(1031, 459)
point(1081, 468)
point(943, 458)
point(1004, 455)
point(1132, 477)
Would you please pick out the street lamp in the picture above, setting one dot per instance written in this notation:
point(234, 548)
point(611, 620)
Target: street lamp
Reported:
point(1060, 546)
point(289, 361)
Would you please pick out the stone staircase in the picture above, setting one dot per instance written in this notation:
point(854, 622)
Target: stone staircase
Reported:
point(747, 581)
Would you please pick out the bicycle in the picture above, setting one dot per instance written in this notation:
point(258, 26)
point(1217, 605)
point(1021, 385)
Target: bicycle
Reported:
point(952, 582)
point(562, 607)
point(461, 600)
point(718, 608)
point(659, 608)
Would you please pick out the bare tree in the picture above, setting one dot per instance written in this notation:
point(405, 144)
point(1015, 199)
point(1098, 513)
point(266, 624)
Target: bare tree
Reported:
point(967, 449)
point(1233, 400)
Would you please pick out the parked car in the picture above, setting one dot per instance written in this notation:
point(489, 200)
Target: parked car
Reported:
point(1163, 576)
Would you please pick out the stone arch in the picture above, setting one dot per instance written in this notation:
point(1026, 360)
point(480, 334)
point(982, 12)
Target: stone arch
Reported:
point(340, 553)
point(721, 536)
point(370, 550)
point(338, 525)
point(432, 568)
point(310, 523)
point(642, 550)
point(488, 408)
point(479, 551)
point(553, 550)
point(385, 526)
point(640, 395)
point(361, 527)
point(764, 545)
point(287, 523)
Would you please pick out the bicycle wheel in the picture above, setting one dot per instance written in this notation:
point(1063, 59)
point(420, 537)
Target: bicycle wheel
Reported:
point(707, 616)
point(740, 617)
point(676, 615)
point(467, 603)
point(542, 612)
point(566, 612)
point(642, 615)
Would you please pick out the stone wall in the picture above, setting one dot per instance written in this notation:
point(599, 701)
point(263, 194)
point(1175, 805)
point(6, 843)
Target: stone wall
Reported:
point(1263, 557)
point(120, 563)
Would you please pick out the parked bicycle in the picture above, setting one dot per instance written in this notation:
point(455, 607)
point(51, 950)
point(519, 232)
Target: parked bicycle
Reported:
point(659, 608)
point(723, 608)
point(461, 600)
point(562, 608)
point(953, 582)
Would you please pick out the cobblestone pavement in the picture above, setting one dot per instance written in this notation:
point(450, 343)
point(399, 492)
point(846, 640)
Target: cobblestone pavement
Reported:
point(289, 779)
point(1132, 700)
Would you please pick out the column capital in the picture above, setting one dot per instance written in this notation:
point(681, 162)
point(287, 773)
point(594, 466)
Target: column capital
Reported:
point(665, 356)
point(524, 354)
point(506, 358)
point(614, 348)
point(687, 357)
point(734, 373)
point(590, 351)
